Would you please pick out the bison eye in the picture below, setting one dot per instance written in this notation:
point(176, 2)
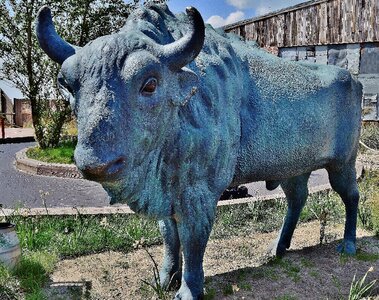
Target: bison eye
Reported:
point(149, 87)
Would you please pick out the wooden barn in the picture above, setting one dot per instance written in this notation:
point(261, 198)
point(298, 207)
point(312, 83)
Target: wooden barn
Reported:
point(338, 32)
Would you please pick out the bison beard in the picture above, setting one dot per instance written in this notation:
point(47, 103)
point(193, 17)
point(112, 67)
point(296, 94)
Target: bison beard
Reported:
point(172, 112)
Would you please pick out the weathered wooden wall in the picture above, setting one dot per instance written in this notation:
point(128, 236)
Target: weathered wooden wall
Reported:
point(6, 106)
point(317, 22)
point(23, 112)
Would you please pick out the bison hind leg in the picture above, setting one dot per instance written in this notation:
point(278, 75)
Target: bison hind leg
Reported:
point(296, 191)
point(343, 181)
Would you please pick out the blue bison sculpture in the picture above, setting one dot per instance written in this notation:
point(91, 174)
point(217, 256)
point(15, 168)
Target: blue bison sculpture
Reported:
point(171, 112)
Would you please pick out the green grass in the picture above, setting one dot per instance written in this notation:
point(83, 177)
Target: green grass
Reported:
point(326, 207)
point(210, 294)
point(9, 285)
point(63, 154)
point(359, 288)
point(307, 263)
point(227, 289)
point(369, 202)
point(290, 269)
point(365, 256)
point(46, 239)
point(29, 276)
point(71, 236)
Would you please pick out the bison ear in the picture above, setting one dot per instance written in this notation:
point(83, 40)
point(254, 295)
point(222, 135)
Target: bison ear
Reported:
point(188, 85)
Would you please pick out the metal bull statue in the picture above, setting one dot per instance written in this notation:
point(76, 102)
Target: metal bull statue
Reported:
point(171, 112)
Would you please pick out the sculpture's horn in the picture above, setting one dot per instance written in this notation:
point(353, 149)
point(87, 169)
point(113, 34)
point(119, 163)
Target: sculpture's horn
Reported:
point(53, 45)
point(183, 51)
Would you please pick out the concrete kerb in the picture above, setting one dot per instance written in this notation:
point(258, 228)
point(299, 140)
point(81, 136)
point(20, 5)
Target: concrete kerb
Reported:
point(70, 171)
point(36, 167)
point(124, 209)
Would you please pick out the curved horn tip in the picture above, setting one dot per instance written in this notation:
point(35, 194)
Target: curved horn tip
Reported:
point(50, 42)
point(191, 10)
point(44, 12)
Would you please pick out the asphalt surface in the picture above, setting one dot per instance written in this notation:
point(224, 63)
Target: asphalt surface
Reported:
point(19, 189)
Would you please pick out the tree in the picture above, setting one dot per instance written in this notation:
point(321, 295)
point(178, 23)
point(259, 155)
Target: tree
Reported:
point(29, 69)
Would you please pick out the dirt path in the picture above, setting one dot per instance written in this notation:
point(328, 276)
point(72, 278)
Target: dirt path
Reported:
point(235, 268)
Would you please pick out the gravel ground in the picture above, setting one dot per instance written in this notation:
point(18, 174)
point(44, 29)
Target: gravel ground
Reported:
point(235, 268)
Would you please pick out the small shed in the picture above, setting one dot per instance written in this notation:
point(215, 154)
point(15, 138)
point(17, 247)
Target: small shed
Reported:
point(6, 107)
point(338, 32)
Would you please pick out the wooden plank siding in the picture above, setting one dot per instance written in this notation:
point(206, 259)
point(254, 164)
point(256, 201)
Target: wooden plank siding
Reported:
point(317, 22)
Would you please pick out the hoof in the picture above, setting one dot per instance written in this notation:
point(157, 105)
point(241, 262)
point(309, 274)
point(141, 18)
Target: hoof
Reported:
point(188, 296)
point(185, 293)
point(347, 247)
point(281, 250)
point(276, 250)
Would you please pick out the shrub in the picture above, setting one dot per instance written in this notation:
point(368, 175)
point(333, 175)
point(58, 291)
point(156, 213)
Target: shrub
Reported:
point(370, 135)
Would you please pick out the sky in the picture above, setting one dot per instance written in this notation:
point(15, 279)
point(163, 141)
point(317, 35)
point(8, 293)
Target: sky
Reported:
point(216, 12)
point(223, 12)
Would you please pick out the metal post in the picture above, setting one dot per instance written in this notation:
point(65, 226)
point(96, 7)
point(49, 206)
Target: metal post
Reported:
point(2, 127)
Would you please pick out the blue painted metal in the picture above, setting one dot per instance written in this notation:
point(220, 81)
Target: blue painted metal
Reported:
point(233, 114)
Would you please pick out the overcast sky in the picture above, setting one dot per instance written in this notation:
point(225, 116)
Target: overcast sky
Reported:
point(216, 12)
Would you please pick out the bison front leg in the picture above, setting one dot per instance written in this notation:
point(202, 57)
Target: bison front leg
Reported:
point(171, 272)
point(194, 227)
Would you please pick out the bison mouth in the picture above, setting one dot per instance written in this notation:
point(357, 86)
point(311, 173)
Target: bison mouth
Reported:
point(108, 171)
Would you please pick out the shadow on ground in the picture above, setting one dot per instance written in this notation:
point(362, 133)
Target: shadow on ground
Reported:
point(235, 268)
point(314, 272)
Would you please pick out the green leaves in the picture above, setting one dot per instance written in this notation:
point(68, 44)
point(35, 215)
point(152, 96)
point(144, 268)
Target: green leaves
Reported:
point(30, 70)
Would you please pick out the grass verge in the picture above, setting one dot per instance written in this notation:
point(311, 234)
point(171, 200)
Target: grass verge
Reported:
point(27, 279)
point(71, 236)
point(63, 154)
point(326, 207)
point(46, 239)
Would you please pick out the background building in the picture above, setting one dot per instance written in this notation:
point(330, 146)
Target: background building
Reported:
point(23, 112)
point(6, 107)
point(338, 32)
point(18, 112)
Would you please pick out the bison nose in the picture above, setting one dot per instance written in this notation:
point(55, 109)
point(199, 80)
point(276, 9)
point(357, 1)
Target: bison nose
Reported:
point(104, 171)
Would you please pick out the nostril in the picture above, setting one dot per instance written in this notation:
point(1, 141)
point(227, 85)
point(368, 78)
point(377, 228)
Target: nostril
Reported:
point(116, 166)
point(105, 171)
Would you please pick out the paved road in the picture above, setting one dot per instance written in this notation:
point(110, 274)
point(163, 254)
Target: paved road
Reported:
point(21, 189)
point(18, 188)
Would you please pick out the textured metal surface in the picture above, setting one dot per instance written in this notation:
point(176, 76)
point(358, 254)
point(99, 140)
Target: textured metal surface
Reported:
point(233, 114)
